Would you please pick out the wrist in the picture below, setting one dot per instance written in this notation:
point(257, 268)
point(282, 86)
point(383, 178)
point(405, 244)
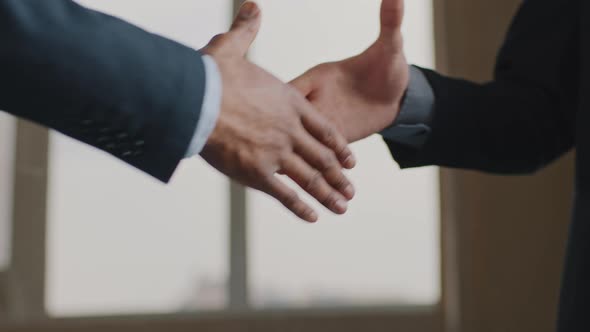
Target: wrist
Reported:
point(417, 102)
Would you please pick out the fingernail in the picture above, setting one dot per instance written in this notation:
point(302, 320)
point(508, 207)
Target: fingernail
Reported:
point(350, 162)
point(349, 192)
point(341, 206)
point(248, 10)
point(313, 217)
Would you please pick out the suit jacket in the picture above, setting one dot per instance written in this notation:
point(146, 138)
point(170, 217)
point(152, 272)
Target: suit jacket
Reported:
point(100, 80)
point(536, 109)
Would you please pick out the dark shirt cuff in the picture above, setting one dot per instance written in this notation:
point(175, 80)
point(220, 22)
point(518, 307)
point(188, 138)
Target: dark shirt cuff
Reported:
point(412, 125)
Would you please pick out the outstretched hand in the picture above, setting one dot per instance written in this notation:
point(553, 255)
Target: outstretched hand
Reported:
point(362, 95)
point(267, 127)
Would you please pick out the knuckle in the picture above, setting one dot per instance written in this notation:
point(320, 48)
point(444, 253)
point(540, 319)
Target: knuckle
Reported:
point(344, 152)
point(243, 160)
point(259, 171)
point(284, 158)
point(328, 161)
point(303, 210)
point(290, 199)
point(284, 144)
point(328, 136)
point(313, 183)
point(281, 152)
point(256, 169)
point(297, 131)
point(330, 200)
point(341, 181)
point(266, 180)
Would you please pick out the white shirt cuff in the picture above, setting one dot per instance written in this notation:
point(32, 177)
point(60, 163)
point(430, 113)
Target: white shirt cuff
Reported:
point(210, 108)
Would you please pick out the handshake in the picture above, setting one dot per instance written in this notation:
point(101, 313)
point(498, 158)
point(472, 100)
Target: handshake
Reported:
point(302, 129)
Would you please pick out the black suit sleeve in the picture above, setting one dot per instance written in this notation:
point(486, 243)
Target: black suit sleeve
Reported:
point(100, 80)
point(524, 118)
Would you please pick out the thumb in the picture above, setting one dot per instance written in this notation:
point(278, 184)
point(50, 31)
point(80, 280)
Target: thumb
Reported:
point(392, 14)
point(245, 28)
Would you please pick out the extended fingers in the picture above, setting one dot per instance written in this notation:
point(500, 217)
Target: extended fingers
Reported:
point(289, 198)
point(323, 160)
point(326, 133)
point(313, 182)
point(318, 125)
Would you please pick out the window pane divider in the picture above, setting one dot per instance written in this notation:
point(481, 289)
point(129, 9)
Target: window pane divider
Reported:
point(238, 260)
point(25, 278)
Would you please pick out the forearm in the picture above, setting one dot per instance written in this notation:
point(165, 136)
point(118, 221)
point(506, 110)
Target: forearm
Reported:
point(504, 126)
point(521, 120)
point(100, 80)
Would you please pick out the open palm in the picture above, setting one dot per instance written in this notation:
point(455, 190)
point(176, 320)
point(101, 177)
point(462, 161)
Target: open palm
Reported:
point(362, 95)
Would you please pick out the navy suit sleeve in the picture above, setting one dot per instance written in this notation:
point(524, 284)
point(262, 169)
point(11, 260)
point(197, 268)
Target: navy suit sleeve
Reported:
point(524, 118)
point(100, 80)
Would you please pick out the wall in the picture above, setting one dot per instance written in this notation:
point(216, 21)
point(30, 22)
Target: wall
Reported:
point(509, 232)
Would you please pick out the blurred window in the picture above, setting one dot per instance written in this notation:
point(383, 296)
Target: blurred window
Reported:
point(121, 243)
point(7, 144)
point(385, 251)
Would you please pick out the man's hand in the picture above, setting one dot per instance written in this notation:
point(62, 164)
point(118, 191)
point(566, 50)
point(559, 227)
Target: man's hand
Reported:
point(362, 95)
point(267, 127)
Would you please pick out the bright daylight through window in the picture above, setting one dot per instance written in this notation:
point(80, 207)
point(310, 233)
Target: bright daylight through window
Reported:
point(385, 251)
point(120, 243)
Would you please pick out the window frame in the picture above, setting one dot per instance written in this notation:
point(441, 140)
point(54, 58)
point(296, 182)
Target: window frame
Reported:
point(24, 281)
